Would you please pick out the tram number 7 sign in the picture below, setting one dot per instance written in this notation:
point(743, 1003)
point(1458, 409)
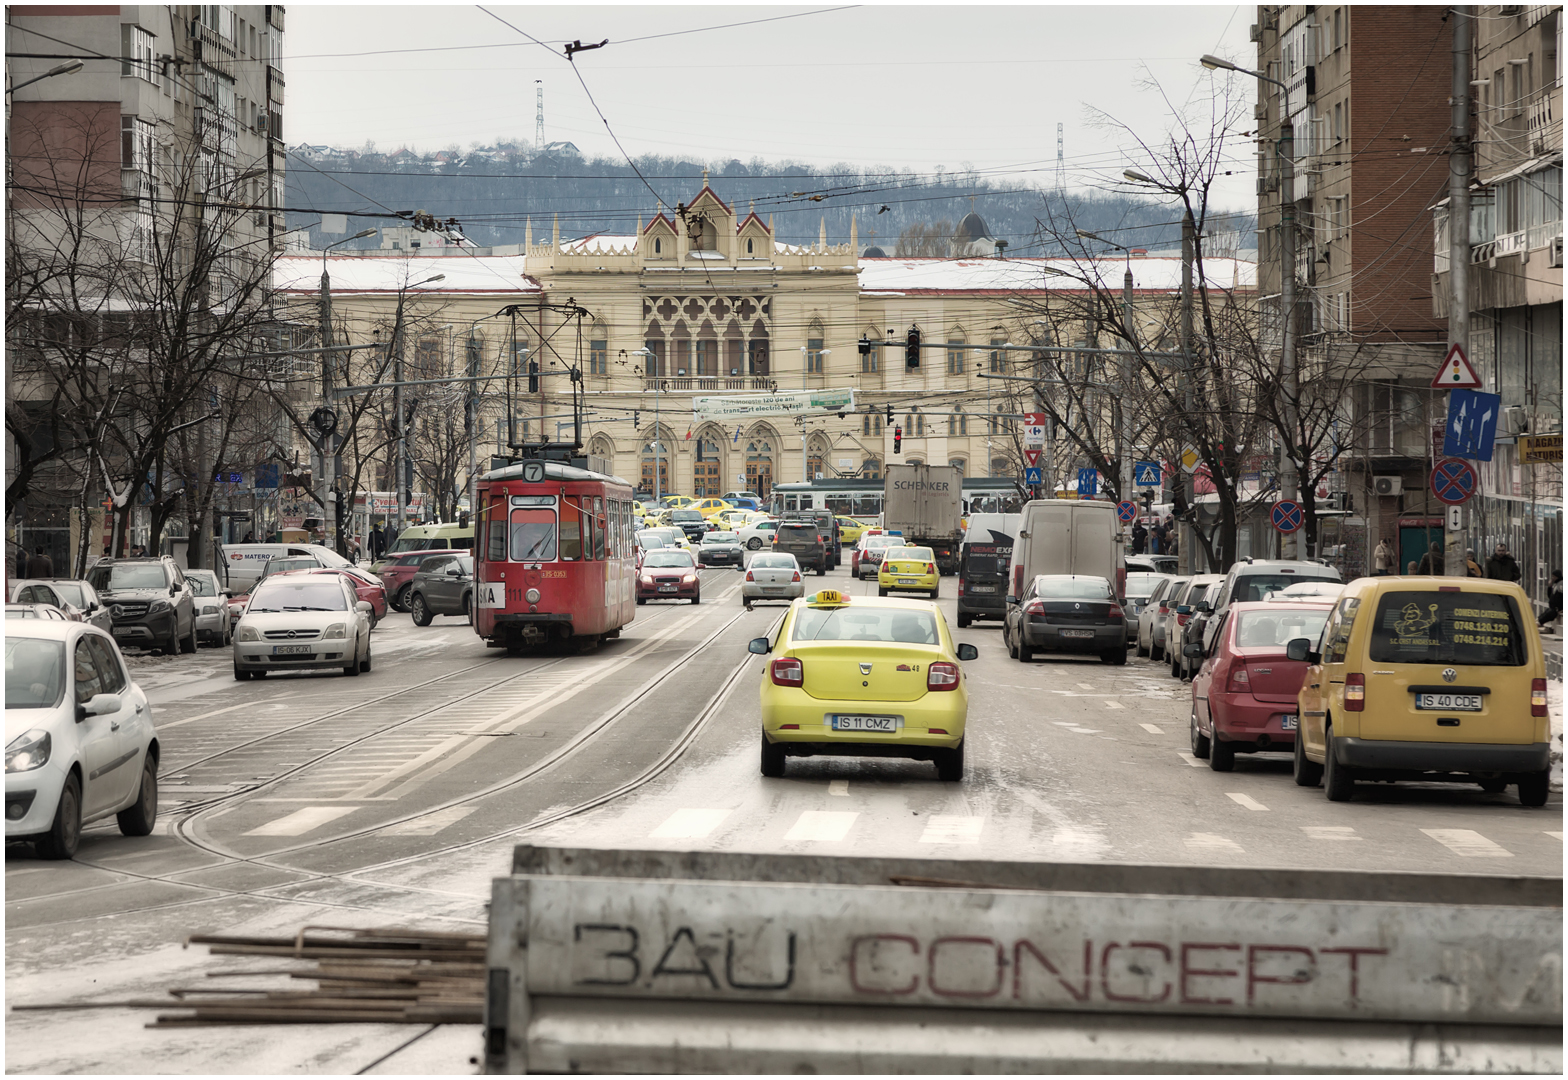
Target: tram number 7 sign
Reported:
point(1453, 481)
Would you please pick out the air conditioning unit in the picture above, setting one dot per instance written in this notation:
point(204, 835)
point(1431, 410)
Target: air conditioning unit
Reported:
point(1516, 420)
point(1554, 256)
point(1254, 33)
point(1388, 485)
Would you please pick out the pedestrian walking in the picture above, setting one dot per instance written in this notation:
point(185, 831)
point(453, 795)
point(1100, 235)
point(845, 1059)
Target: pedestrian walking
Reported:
point(1383, 558)
point(40, 565)
point(1155, 544)
point(1432, 561)
point(378, 542)
point(1140, 537)
point(1554, 600)
point(1473, 568)
point(250, 537)
point(1501, 566)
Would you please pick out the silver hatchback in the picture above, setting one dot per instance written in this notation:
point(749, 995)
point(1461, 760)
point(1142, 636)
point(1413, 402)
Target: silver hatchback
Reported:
point(772, 575)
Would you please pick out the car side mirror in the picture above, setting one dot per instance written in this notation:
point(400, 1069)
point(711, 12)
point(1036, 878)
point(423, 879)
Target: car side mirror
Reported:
point(1192, 650)
point(364, 606)
point(758, 645)
point(968, 652)
point(454, 571)
point(1183, 609)
point(174, 589)
point(1298, 648)
point(1204, 607)
point(1012, 599)
point(92, 605)
point(98, 705)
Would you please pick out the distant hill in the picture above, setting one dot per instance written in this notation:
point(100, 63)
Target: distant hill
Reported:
point(494, 190)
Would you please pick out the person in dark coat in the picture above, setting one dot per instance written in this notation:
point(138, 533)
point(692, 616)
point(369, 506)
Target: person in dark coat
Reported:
point(1140, 536)
point(378, 542)
point(40, 565)
point(1432, 561)
point(1501, 566)
point(1554, 600)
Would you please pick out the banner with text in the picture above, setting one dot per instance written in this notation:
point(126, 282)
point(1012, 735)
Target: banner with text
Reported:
point(741, 406)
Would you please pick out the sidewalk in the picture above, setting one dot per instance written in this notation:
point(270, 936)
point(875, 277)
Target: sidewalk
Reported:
point(1552, 647)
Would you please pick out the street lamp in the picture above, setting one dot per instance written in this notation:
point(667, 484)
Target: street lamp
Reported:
point(397, 395)
point(70, 67)
point(1124, 486)
point(658, 458)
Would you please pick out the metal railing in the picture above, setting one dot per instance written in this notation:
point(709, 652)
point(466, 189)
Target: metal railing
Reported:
point(709, 383)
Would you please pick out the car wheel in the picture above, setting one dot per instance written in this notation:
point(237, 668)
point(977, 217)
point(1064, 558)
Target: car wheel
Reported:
point(747, 603)
point(364, 665)
point(420, 610)
point(1117, 657)
point(950, 764)
point(1533, 788)
point(139, 818)
point(1143, 650)
point(1222, 756)
point(1305, 771)
point(1494, 785)
point(468, 615)
point(821, 570)
point(1012, 650)
point(1196, 738)
point(881, 591)
point(936, 593)
point(642, 599)
point(1025, 651)
point(697, 599)
point(400, 598)
point(755, 543)
point(772, 758)
point(964, 620)
point(1339, 783)
point(65, 831)
point(352, 667)
point(1175, 671)
point(1156, 652)
point(240, 675)
point(189, 644)
point(171, 644)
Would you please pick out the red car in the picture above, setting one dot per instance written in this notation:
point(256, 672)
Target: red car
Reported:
point(669, 574)
point(866, 555)
point(400, 570)
point(1244, 692)
point(364, 588)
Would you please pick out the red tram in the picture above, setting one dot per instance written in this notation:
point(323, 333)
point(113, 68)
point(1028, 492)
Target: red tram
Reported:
point(553, 555)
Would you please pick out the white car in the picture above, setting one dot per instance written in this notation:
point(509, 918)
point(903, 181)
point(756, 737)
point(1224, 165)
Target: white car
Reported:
point(759, 534)
point(212, 607)
point(79, 738)
point(297, 622)
point(772, 575)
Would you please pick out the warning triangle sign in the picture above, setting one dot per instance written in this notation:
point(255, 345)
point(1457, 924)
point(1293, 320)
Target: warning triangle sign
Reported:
point(1456, 372)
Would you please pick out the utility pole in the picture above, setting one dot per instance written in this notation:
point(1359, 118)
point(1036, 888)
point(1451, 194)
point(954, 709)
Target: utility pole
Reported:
point(323, 441)
point(1287, 300)
point(1459, 166)
point(1124, 486)
point(1189, 245)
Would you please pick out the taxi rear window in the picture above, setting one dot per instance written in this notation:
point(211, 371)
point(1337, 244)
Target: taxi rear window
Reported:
point(866, 624)
point(1430, 627)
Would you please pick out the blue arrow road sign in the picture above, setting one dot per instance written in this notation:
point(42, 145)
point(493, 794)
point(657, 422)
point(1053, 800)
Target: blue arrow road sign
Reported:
point(1034, 476)
point(1472, 424)
point(1088, 483)
point(1146, 473)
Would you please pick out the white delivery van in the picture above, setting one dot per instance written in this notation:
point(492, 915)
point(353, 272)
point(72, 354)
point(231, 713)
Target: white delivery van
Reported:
point(1067, 536)
point(243, 563)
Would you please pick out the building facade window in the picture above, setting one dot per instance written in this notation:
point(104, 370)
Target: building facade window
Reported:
point(871, 469)
point(871, 424)
point(998, 358)
point(814, 356)
point(598, 357)
point(653, 360)
point(955, 357)
point(136, 55)
point(707, 357)
point(871, 360)
point(958, 423)
point(957, 463)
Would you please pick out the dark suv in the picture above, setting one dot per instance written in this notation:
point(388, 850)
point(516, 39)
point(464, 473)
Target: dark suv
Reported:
point(803, 540)
point(692, 523)
point(152, 604)
point(827, 527)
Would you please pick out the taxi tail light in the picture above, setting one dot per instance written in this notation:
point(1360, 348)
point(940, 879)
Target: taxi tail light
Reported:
point(1240, 680)
point(1537, 697)
point(796, 576)
point(930, 568)
point(1355, 692)
point(787, 671)
point(942, 676)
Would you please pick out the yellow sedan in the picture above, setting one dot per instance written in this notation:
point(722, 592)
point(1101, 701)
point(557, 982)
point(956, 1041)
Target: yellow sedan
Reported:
point(909, 569)
point(863, 677)
point(849, 530)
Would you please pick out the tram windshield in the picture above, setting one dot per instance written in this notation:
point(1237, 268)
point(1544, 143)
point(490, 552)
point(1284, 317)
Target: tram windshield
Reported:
point(532, 534)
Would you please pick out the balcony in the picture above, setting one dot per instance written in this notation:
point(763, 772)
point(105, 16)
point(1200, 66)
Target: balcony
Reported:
point(706, 384)
point(275, 84)
point(1541, 120)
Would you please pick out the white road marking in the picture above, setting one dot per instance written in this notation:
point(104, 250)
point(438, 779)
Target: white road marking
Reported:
point(1114, 705)
point(822, 825)
point(689, 824)
point(1152, 729)
point(429, 824)
point(1190, 760)
point(1468, 843)
point(1245, 800)
point(1202, 841)
point(1559, 835)
point(1065, 723)
point(838, 787)
point(952, 829)
point(1084, 686)
point(1085, 731)
point(205, 715)
point(1330, 832)
point(301, 821)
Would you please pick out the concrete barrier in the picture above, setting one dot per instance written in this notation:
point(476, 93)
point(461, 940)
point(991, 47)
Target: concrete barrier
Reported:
point(606, 961)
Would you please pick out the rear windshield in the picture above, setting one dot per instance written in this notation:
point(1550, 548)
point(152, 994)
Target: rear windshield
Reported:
point(1431, 627)
point(1263, 628)
point(1143, 584)
point(1073, 588)
point(1257, 586)
point(773, 562)
point(34, 673)
point(865, 624)
point(801, 530)
point(986, 564)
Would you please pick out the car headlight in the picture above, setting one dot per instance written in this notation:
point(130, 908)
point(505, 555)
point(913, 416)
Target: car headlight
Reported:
point(646, 580)
point(27, 751)
point(336, 630)
point(688, 579)
point(249, 633)
point(157, 606)
point(209, 609)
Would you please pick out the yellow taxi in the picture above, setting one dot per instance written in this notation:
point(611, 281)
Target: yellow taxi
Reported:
point(734, 517)
point(1425, 678)
point(676, 502)
point(863, 677)
point(708, 507)
point(909, 569)
point(849, 529)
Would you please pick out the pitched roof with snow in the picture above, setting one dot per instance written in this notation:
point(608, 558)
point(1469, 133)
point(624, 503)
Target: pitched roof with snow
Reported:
point(370, 274)
point(599, 242)
point(929, 276)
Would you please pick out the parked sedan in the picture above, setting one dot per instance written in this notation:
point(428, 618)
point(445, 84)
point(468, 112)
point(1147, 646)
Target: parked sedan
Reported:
point(76, 599)
point(759, 534)
point(1140, 586)
point(79, 738)
point(721, 549)
point(297, 622)
point(1244, 691)
point(398, 574)
point(668, 574)
point(212, 607)
point(1151, 619)
point(772, 576)
point(1181, 602)
point(1066, 613)
point(366, 586)
point(443, 586)
point(47, 612)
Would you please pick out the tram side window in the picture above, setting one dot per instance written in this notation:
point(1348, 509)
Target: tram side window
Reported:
point(495, 533)
point(533, 535)
point(571, 535)
point(599, 527)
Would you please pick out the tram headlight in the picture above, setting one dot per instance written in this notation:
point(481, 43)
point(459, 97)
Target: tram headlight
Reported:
point(532, 596)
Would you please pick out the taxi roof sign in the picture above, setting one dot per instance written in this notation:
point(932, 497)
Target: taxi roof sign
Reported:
point(827, 598)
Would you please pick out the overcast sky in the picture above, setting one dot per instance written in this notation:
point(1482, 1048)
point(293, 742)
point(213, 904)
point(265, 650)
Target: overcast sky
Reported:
point(904, 86)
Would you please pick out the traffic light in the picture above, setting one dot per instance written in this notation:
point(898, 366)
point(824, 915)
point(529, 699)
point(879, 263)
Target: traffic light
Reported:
point(1148, 500)
point(533, 376)
point(898, 439)
point(912, 349)
point(636, 420)
point(865, 345)
point(890, 414)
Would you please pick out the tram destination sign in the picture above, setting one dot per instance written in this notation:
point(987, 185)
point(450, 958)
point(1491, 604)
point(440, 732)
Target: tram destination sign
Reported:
point(741, 406)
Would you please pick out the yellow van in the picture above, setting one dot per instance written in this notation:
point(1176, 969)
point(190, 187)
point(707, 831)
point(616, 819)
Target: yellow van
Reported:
point(427, 538)
point(1425, 678)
